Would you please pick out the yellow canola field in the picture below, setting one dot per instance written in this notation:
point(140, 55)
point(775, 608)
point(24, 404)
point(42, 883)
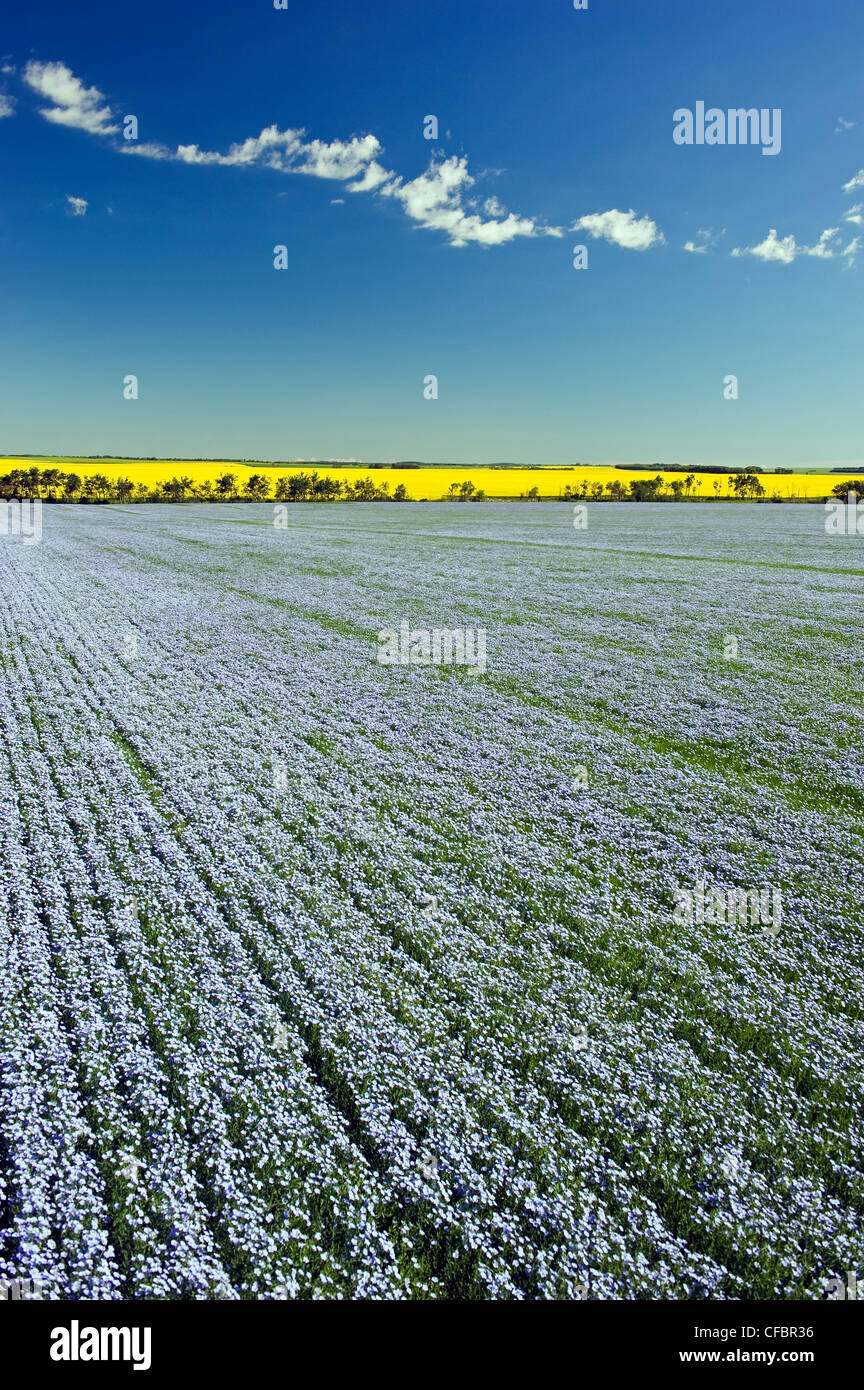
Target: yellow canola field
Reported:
point(426, 483)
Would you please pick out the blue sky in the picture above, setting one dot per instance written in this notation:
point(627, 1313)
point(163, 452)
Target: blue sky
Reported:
point(399, 266)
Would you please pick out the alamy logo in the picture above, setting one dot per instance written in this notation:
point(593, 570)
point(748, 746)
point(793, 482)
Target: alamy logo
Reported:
point(733, 127)
point(25, 1290)
point(845, 518)
point(836, 1289)
point(728, 906)
point(439, 647)
point(22, 519)
point(76, 1343)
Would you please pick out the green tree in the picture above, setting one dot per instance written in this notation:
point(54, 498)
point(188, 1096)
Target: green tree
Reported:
point(325, 489)
point(177, 488)
point(855, 485)
point(646, 489)
point(15, 484)
point(257, 488)
point(299, 486)
point(226, 486)
point(364, 490)
point(747, 485)
point(51, 481)
point(96, 487)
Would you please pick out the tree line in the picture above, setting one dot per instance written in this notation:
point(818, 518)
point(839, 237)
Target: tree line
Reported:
point(744, 486)
point(741, 485)
point(53, 485)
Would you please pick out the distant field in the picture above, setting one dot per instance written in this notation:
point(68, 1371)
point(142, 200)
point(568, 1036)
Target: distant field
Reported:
point(325, 978)
point(425, 483)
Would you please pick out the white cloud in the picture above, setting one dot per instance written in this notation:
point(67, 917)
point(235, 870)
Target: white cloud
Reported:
point(286, 152)
point(622, 229)
point(851, 251)
point(843, 124)
point(334, 201)
point(341, 159)
point(437, 199)
point(786, 249)
point(705, 240)
point(434, 199)
point(147, 149)
point(822, 248)
point(273, 148)
point(771, 249)
point(74, 105)
point(373, 178)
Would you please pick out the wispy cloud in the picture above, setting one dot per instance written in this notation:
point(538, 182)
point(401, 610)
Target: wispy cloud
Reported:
point(822, 247)
point(73, 104)
point(621, 228)
point(786, 249)
point(854, 215)
point(438, 199)
point(7, 105)
point(702, 242)
point(843, 124)
point(857, 181)
point(435, 200)
point(77, 206)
